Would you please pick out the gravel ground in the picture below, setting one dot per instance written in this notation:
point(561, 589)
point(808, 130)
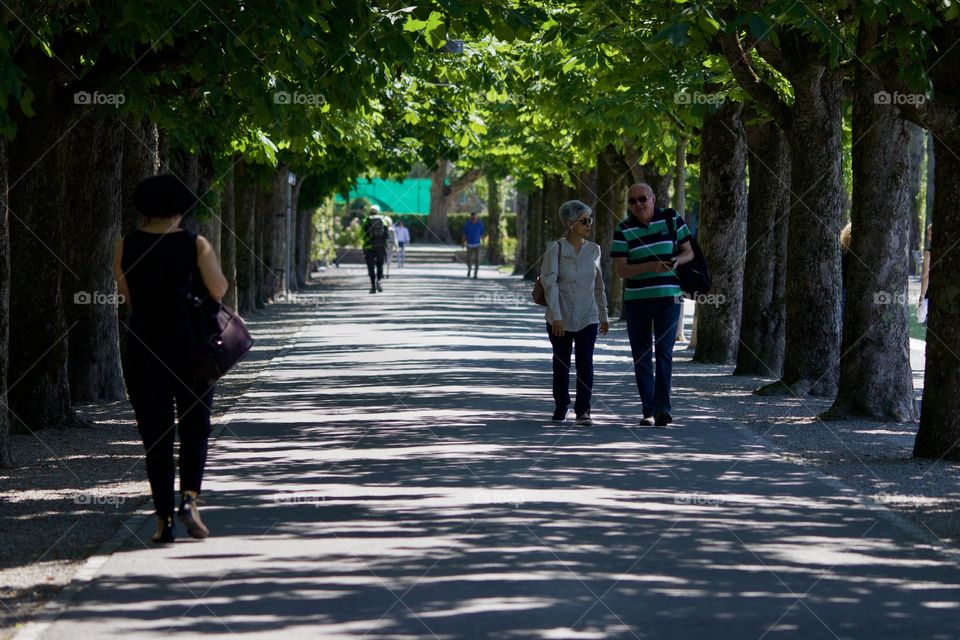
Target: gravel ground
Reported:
point(72, 489)
point(873, 458)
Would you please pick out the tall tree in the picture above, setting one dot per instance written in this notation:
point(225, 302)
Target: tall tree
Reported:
point(723, 226)
point(6, 459)
point(875, 375)
point(761, 341)
point(94, 184)
point(443, 196)
point(812, 125)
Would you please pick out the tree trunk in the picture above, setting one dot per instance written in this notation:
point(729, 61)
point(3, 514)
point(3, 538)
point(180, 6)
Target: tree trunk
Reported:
point(442, 197)
point(437, 228)
point(611, 202)
point(494, 241)
point(875, 375)
point(813, 251)
point(278, 210)
point(523, 213)
point(930, 210)
point(917, 138)
point(722, 235)
point(762, 325)
point(245, 193)
point(939, 433)
point(40, 397)
point(534, 234)
point(302, 223)
point(208, 212)
point(264, 246)
point(813, 126)
point(6, 457)
point(140, 157)
point(647, 173)
point(228, 238)
point(680, 177)
point(93, 169)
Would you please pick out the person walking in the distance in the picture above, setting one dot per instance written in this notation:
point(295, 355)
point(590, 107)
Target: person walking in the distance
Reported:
point(576, 308)
point(403, 239)
point(473, 233)
point(375, 238)
point(155, 267)
point(643, 254)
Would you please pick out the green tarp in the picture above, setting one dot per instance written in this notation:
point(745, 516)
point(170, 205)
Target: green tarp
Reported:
point(407, 197)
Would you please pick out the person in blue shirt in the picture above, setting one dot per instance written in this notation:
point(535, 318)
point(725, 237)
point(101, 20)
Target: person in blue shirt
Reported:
point(473, 233)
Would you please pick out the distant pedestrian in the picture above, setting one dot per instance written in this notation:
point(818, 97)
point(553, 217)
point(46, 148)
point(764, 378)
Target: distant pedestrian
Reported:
point(473, 233)
point(403, 239)
point(391, 248)
point(375, 238)
point(576, 308)
point(643, 254)
point(155, 267)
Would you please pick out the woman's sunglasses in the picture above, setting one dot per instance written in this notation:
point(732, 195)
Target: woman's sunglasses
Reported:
point(585, 221)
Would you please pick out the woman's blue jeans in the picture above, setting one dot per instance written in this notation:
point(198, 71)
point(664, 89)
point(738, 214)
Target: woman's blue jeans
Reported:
point(583, 341)
point(662, 315)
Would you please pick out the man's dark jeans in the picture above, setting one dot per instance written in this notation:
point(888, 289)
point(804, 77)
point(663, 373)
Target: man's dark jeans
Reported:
point(662, 314)
point(584, 341)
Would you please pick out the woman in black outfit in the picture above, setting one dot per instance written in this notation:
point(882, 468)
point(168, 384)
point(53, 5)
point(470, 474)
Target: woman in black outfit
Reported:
point(154, 267)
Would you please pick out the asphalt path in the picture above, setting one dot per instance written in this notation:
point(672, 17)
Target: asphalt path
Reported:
point(396, 475)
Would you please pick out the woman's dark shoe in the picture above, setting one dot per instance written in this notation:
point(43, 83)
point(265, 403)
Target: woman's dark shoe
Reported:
point(164, 532)
point(559, 414)
point(189, 515)
point(663, 419)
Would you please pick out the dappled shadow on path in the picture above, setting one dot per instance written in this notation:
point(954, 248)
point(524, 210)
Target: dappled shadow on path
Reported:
point(396, 476)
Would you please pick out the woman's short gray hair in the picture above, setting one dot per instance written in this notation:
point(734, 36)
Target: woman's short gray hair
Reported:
point(571, 210)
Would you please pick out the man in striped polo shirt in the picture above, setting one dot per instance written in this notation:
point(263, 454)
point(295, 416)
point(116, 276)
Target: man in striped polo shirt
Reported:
point(646, 257)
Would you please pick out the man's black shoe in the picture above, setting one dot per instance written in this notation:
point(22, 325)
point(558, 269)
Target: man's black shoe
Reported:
point(373, 289)
point(559, 414)
point(663, 419)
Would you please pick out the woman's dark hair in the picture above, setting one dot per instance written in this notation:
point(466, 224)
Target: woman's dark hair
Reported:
point(163, 197)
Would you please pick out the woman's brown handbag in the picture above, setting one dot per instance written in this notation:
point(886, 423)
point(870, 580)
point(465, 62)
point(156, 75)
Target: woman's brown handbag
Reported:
point(539, 292)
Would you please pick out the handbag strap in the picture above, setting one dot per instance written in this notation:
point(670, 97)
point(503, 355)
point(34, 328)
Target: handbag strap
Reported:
point(672, 226)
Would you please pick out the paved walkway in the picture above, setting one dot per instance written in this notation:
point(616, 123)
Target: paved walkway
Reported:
point(394, 477)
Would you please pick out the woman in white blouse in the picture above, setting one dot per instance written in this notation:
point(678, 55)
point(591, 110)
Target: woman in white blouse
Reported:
point(576, 307)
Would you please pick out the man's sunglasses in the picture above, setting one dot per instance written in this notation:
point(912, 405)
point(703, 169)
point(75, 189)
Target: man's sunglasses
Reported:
point(640, 199)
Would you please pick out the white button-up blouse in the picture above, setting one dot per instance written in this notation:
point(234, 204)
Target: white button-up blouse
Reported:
point(575, 294)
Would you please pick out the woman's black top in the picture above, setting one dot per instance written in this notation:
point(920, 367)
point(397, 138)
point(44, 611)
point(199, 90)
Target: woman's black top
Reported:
point(159, 268)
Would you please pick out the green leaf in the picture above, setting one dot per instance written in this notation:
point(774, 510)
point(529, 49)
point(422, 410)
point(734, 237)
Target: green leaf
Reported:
point(26, 103)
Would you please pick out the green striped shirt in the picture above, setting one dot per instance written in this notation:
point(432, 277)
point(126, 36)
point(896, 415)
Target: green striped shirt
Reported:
point(639, 243)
